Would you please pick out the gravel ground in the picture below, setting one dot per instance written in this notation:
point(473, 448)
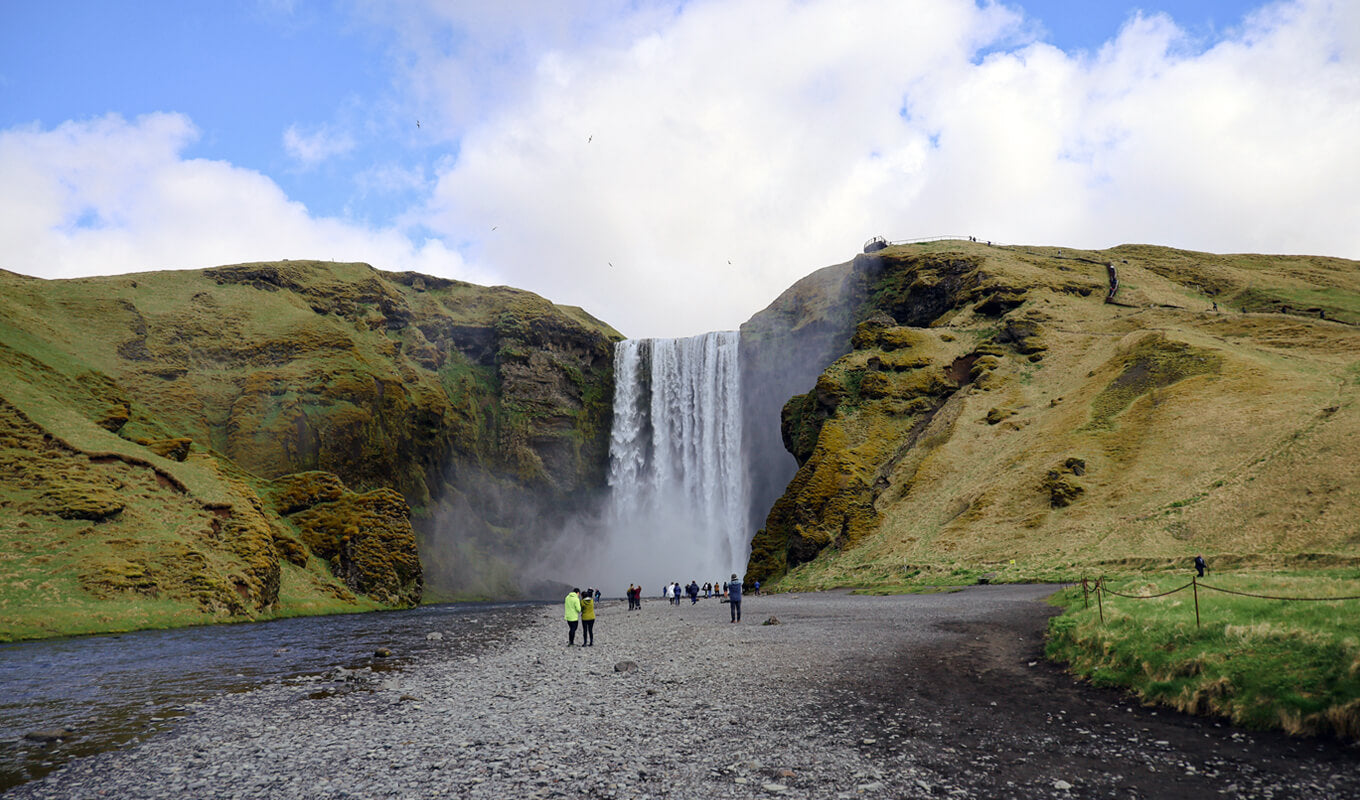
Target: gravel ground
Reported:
point(847, 697)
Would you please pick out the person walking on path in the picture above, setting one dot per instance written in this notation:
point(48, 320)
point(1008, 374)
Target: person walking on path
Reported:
point(588, 619)
point(572, 613)
point(734, 598)
point(1200, 566)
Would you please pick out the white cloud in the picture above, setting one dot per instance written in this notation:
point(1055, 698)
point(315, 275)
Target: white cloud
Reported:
point(108, 196)
point(673, 170)
point(767, 134)
point(317, 146)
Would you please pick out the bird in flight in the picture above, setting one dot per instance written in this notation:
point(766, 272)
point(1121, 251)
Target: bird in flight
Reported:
point(494, 227)
point(588, 138)
point(417, 123)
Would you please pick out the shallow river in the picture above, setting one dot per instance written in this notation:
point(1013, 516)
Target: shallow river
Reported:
point(116, 689)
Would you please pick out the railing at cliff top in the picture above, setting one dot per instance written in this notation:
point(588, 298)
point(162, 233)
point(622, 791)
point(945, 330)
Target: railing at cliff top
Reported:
point(931, 239)
point(878, 242)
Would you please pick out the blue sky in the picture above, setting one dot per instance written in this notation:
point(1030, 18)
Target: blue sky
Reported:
point(669, 167)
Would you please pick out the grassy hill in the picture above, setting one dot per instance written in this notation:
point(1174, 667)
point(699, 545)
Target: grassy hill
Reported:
point(992, 413)
point(257, 440)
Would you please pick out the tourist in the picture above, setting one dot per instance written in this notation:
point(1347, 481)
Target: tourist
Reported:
point(630, 597)
point(734, 597)
point(588, 618)
point(693, 590)
point(1200, 566)
point(572, 612)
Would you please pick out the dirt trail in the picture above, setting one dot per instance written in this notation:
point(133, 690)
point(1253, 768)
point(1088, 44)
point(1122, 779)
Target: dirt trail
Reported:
point(966, 692)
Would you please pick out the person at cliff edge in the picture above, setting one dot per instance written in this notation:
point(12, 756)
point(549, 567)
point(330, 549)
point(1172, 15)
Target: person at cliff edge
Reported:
point(734, 598)
point(572, 614)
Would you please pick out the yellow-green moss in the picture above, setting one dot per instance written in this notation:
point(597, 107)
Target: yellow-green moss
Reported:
point(1153, 363)
point(369, 542)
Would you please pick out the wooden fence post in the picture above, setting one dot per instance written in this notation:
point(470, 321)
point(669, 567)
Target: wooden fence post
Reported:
point(1085, 594)
point(1100, 603)
point(1194, 584)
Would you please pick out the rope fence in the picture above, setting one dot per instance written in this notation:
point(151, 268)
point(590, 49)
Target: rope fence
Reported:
point(1099, 589)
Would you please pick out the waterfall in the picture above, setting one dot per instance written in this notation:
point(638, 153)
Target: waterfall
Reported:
point(678, 489)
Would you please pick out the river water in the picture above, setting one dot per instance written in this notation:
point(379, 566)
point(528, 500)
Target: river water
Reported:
point(114, 690)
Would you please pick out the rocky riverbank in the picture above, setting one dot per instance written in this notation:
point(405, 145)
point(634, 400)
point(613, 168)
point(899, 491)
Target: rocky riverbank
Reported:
point(846, 697)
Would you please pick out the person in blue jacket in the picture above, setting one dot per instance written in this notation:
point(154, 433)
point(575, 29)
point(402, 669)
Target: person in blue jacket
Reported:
point(734, 597)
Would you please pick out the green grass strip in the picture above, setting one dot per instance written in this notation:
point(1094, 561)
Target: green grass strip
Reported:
point(1262, 662)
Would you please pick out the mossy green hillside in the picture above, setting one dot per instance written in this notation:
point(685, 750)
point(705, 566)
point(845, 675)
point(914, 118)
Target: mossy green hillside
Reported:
point(992, 414)
point(212, 383)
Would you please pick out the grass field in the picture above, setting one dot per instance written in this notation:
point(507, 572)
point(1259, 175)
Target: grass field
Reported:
point(1263, 663)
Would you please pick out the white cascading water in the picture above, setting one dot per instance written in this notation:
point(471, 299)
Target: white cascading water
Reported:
point(678, 498)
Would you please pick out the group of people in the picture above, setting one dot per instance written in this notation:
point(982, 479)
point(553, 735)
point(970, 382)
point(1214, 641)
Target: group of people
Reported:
point(580, 609)
point(580, 606)
point(674, 592)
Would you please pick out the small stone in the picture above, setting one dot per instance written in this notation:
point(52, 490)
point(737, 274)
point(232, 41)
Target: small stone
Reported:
point(774, 787)
point(626, 666)
point(49, 734)
point(1062, 786)
point(434, 636)
point(382, 652)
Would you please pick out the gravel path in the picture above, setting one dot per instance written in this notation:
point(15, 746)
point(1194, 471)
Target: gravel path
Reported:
point(848, 697)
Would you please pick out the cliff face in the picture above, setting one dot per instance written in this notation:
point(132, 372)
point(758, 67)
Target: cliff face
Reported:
point(783, 350)
point(989, 411)
point(280, 438)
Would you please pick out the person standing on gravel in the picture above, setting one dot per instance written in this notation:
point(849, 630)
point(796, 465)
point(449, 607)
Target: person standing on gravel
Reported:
point(588, 619)
point(572, 613)
point(734, 598)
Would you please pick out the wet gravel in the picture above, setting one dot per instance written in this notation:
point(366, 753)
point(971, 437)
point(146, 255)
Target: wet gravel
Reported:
point(847, 697)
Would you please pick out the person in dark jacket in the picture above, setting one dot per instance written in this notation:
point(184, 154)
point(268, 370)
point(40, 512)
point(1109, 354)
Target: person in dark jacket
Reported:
point(734, 597)
point(1200, 566)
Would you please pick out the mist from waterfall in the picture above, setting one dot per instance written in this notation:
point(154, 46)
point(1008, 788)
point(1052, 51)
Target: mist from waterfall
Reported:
point(678, 490)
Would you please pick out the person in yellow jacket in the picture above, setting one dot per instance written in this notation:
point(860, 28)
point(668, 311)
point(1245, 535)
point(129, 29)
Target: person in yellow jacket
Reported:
point(573, 614)
point(588, 618)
